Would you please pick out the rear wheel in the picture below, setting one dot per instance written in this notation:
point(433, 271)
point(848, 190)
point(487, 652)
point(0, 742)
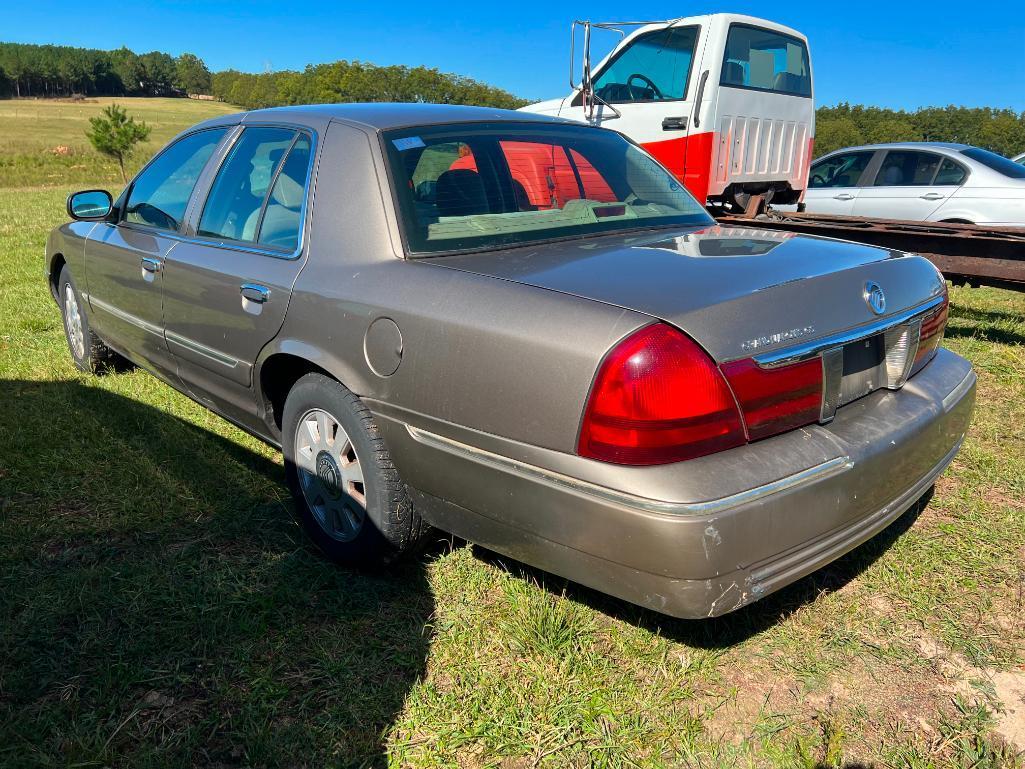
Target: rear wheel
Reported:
point(87, 350)
point(348, 494)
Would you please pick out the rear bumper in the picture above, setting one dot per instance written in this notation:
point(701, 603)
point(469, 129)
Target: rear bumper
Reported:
point(721, 531)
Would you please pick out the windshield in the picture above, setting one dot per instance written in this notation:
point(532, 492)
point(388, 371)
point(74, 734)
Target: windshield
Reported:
point(998, 163)
point(485, 185)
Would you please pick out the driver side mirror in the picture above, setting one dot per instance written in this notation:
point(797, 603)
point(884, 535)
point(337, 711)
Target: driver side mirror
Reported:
point(90, 205)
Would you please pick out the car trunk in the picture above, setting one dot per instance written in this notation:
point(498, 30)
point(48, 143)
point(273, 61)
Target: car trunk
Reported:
point(736, 291)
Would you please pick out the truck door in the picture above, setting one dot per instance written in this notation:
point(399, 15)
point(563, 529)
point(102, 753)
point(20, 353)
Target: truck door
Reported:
point(651, 81)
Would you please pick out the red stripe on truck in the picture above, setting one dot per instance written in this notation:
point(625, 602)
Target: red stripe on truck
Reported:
point(689, 158)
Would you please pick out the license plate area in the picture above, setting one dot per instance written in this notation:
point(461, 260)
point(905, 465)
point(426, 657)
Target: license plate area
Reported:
point(864, 368)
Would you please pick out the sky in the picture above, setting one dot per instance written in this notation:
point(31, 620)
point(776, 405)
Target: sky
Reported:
point(895, 54)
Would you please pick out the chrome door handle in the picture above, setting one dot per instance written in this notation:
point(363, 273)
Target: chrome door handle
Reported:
point(255, 293)
point(843, 196)
point(150, 265)
point(932, 196)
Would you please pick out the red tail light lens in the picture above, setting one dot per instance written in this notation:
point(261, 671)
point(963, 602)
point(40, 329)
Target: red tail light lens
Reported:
point(658, 398)
point(777, 399)
point(929, 341)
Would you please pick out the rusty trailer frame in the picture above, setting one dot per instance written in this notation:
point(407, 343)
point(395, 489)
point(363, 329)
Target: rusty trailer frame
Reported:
point(964, 253)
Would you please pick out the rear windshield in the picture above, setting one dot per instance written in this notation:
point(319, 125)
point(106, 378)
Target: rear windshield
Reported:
point(998, 163)
point(763, 60)
point(486, 185)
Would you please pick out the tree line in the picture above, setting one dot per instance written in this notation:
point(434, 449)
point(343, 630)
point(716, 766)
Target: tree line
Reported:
point(61, 70)
point(54, 70)
point(846, 125)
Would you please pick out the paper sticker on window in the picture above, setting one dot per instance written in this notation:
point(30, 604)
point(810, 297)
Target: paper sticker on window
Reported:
point(408, 143)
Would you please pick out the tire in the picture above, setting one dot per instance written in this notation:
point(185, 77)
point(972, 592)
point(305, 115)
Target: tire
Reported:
point(88, 351)
point(348, 494)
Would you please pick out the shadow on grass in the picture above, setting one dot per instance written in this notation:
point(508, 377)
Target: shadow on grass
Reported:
point(159, 606)
point(987, 329)
point(730, 629)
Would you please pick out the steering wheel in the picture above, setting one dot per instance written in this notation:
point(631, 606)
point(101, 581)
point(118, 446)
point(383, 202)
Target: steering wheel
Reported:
point(152, 215)
point(644, 79)
point(818, 179)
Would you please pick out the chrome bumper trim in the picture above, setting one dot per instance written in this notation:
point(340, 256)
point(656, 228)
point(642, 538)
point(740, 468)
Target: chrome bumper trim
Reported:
point(812, 474)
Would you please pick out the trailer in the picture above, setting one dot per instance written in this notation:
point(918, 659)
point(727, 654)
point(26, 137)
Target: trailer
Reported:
point(966, 254)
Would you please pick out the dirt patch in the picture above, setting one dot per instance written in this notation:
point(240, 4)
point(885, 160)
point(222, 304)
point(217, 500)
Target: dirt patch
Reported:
point(1009, 686)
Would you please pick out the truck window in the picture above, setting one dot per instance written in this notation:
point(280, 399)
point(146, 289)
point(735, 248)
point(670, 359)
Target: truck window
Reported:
point(654, 67)
point(765, 61)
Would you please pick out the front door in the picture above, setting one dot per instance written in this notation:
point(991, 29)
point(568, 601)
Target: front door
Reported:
point(226, 287)
point(833, 182)
point(124, 261)
point(651, 83)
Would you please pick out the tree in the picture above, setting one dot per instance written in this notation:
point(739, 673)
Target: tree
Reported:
point(191, 74)
point(115, 134)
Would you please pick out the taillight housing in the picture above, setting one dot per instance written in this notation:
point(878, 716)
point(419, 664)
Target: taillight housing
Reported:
point(931, 335)
point(774, 400)
point(658, 398)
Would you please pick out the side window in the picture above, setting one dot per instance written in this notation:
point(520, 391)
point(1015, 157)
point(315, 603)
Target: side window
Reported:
point(907, 168)
point(654, 67)
point(232, 209)
point(766, 61)
point(160, 194)
point(282, 218)
point(950, 173)
point(839, 170)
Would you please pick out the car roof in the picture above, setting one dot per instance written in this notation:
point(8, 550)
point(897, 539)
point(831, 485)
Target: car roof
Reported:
point(384, 115)
point(952, 146)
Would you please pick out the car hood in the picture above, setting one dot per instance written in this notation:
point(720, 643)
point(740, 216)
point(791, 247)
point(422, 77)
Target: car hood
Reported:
point(733, 289)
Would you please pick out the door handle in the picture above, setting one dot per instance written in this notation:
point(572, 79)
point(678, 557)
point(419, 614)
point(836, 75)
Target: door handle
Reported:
point(843, 196)
point(674, 123)
point(932, 196)
point(150, 265)
point(255, 293)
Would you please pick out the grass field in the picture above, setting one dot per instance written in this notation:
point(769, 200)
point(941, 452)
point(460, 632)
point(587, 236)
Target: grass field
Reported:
point(159, 607)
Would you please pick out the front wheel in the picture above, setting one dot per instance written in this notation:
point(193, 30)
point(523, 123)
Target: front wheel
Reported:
point(348, 494)
point(87, 350)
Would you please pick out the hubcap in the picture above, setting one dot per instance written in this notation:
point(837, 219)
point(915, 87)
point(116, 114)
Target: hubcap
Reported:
point(73, 319)
point(330, 475)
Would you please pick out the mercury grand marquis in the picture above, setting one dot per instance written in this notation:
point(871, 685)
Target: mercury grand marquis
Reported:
point(524, 331)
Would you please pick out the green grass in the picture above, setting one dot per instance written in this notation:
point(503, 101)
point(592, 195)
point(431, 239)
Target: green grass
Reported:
point(44, 141)
point(159, 606)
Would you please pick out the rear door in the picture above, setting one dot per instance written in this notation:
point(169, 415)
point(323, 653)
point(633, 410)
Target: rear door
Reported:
point(227, 286)
point(905, 186)
point(833, 184)
point(651, 82)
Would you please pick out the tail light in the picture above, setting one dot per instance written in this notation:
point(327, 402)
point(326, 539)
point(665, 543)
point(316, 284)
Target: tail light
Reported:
point(931, 335)
point(658, 398)
point(774, 400)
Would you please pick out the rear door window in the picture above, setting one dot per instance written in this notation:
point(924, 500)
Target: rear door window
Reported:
point(842, 170)
point(235, 202)
point(950, 173)
point(160, 194)
point(765, 61)
point(654, 67)
point(907, 168)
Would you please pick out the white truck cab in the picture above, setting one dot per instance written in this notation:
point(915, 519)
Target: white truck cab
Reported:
point(723, 101)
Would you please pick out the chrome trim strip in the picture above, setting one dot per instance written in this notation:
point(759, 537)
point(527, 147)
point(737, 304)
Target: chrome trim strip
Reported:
point(145, 325)
point(808, 350)
point(952, 398)
point(548, 477)
point(832, 383)
point(207, 352)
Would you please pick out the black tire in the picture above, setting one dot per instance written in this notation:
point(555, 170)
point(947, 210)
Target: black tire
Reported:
point(91, 355)
point(390, 526)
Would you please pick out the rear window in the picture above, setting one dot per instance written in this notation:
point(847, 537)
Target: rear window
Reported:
point(998, 163)
point(477, 186)
point(763, 60)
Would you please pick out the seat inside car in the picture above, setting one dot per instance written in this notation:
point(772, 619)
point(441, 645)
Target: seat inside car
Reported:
point(460, 192)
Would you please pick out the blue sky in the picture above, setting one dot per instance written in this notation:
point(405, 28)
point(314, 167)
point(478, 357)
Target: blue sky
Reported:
point(893, 54)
